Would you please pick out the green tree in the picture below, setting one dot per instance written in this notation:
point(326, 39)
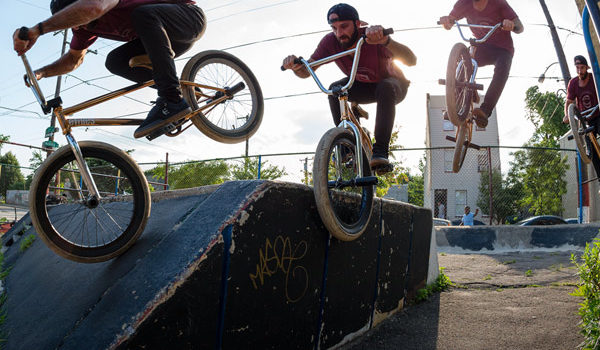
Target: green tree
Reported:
point(545, 110)
point(194, 174)
point(247, 169)
point(505, 198)
point(10, 176)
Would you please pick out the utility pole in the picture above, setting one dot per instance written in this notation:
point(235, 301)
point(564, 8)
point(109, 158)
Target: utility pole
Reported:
point(52, 129)
point(557, 45)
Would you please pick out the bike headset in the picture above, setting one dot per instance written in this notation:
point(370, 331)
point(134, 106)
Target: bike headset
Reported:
point(57, 5)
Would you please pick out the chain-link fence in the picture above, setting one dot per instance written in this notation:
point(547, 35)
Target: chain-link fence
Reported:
point(502, 184)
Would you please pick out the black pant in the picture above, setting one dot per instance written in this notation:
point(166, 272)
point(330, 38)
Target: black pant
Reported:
point(387, 93)
point(502, 60)
point(165, 31)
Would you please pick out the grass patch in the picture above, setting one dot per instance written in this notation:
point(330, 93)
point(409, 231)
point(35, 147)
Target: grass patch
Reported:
point(442, 282)
point(487, 278)
point(528, 273)
point(26, 242)
point(442, 254)
point(508, 262)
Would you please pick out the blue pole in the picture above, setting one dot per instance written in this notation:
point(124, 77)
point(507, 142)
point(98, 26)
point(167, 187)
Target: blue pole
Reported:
point(580, 185)
point(259, 164)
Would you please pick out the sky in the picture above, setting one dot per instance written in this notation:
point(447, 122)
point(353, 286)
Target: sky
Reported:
point(261, 33)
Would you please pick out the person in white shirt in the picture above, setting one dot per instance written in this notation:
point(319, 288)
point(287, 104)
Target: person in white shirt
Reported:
point(441, 211)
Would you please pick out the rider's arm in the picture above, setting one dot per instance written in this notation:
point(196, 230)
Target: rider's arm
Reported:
point(401, 52)
point(79, 13)
point(448, 21)
point(298, 68)
point(518, 28)
point(65, 64)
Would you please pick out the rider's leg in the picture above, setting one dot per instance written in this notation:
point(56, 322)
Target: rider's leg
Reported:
point(334, 103)
point(117, 62)
point(166, 30)
point(389, 93)
point(502, 61)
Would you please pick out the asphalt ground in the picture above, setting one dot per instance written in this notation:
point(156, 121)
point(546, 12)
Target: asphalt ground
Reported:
point(508, 301)
point(12, 212)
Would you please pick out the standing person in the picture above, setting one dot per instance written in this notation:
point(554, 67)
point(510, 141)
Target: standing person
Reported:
point(441, 211)
point(378, 79)
point(467, 218)
point(582, 91)
point(498, 50)
point(162, 29)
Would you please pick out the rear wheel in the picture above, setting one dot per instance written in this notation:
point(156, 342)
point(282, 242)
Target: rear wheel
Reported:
point(237, 117)
point(458, 72)
point(77, 226)
point(460, 148)
point(345, 207)
point(576, 127)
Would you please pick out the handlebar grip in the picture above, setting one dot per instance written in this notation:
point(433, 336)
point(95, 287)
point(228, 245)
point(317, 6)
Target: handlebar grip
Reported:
point(439, 22)
point(388, 31)
point(23, 33)
point(298, 60)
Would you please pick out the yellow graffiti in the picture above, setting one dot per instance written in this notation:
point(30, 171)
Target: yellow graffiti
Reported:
point(280, 257)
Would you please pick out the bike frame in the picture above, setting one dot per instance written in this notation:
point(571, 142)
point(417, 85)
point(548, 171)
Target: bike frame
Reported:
point(55, 107)
point(348, 119)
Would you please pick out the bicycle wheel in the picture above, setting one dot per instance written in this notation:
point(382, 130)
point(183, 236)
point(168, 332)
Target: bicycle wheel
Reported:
point(458, 97)
point(345, 212)
point(576, 125)
point(78, 229)
point(236, 118)
point(460, 148)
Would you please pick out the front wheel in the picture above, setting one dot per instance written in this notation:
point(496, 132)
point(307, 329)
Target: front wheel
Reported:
point(345, 209)
point(461, 146)
point(71, 222)
point(576, 127)
point(238, 117)
point(458, 96)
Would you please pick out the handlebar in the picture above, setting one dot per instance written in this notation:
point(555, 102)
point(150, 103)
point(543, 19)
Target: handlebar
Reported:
point(31, 81)
point(492, 30)
point(386, 32)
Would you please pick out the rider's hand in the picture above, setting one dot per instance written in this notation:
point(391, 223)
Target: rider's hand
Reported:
point(288, 63)
point(375, 35)
point(447, 22)
point(22, 46)
point(508, 25)
point(39, 74)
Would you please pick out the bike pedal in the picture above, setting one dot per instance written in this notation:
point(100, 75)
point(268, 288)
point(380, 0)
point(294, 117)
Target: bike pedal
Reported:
point(451, 138)
point(472, 145)
point(164, 130)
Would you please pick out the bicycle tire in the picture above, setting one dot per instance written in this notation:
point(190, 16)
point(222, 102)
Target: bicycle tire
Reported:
point(236, 119)
point(460, 148)
point(579, 139)
point(76, 231)
point(458, 99)
point(345, 214)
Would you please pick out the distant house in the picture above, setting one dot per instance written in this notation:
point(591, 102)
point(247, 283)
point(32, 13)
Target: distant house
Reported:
point(441, 185)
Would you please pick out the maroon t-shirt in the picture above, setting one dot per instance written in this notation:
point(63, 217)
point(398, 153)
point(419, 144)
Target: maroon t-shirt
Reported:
point(585, 96)
point(375, 64)
point(495, 12)
point(115, 24)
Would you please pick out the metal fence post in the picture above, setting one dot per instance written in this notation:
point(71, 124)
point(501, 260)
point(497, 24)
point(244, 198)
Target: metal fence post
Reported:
point(259, 164)
point(491, 187)
point(580, 186)
point(167, 171)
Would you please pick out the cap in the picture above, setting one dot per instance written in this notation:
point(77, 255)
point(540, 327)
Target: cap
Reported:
point(580, 60)
point(344, 12)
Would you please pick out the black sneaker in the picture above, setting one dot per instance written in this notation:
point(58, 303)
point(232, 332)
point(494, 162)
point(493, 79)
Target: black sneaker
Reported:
point(163, 113)
point(378, 161)
point(481, 119)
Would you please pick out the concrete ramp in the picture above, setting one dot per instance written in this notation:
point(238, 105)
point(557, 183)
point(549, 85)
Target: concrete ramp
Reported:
point(242, 265)
point(510, 238)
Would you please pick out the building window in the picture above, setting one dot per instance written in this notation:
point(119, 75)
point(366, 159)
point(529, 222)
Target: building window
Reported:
point(460, 202)
point(448, 158)
point(482, 161)
point(448, 126)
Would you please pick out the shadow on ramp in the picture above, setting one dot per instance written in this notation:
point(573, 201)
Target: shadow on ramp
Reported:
point(246, 264)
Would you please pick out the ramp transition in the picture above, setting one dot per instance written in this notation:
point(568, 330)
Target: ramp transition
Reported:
point(245, 264)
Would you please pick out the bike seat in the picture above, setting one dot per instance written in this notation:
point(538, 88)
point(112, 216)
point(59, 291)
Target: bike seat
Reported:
point(140, 61)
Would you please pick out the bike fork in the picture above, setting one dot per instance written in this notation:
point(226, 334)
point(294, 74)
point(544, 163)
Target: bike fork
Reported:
point(83, 168)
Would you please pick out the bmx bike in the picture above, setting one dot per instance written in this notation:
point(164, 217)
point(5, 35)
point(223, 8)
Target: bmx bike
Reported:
point(461, 91)
point(89, 201)
point(342, 177)
point(584, 133)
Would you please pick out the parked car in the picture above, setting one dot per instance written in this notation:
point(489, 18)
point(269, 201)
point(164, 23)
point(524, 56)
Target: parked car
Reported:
point(475, 222)
point(441, 222)
point(542, 220)
point(572, 220)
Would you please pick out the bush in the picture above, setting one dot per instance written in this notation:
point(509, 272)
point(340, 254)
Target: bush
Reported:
point(588, 266)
